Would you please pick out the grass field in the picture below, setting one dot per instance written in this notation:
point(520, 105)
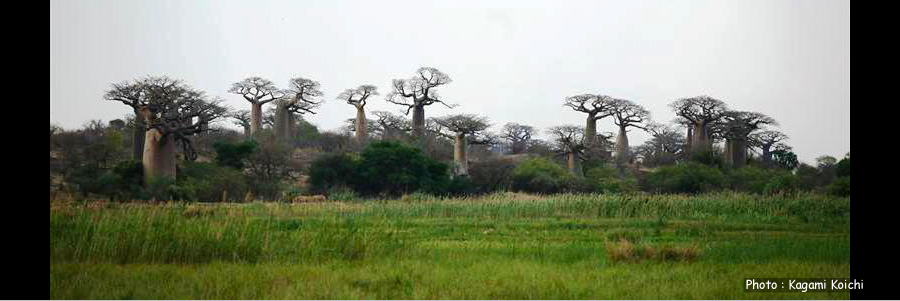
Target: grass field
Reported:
point(500, 246)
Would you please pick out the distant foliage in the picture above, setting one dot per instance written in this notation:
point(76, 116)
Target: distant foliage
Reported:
point(685, 178)
point(331, 170)
point(840, 187)
point(393, 168)
point(540, 175)
point(208, 182)
point(234, 155)
point(492, 174)
point(843, 168)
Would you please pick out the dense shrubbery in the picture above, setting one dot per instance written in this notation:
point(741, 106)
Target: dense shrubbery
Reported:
point(840, 187)
point(208, 182)
point(540, 175)
point(492, 175)
point(331, 171)
point(685, 178)
point(234, 154)
point(389, 168)
point(605, 179)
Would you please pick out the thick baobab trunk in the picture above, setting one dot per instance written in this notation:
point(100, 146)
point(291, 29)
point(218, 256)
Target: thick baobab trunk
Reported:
point(255, 118)
point(138, 136)
point(739, 152)
point(622, 153)
point(361, 130)
point(590, 131)
point(727, 152)
point(246, 131)
point(418, 121)
point(700, 139)
point(283, 124)
point(767, 155)
point(159, 156)
point(690, 136)
point(460, 160)
point(573, 164)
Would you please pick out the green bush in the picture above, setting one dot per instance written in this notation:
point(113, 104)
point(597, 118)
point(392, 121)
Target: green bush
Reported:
point(208, 182)
point(234, 154)
point(605, 179)
point(711, 157)
point(540, 175)
point(843, 168)
point(393, 168)
point(781, 183)
point(840, 187)
point(492, 175)
point(688, 177)
point(331, 170)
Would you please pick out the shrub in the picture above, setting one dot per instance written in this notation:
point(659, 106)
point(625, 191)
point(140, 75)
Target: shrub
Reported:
point(840, 187)
point(331, 170)
point(781, 183)
point(605, 179)
point(234, 154)
point(540, 175)
point(492, 175)
point(843, 168)
point(393, 168)
point(711, 157)
point(208, 182)
point(685, 178)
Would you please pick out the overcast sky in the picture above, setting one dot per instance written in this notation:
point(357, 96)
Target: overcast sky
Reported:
point(513, 61)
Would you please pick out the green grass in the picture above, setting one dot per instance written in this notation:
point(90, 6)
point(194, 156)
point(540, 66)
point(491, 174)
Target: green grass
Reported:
point(501, 246)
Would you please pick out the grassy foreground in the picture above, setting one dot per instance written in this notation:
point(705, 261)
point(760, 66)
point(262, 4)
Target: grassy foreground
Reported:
point(500, 246)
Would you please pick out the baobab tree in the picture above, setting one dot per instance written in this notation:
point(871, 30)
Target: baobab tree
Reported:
point(765, 141)
point(596, 107)
point(570, 141)
point(738, 127)
point(466, 129)
point(417, 92)
point(626, 114)
point(700, 111)
point(391, 126)
point(242, 119)
point(135, 95)
point(300, 98)
point(518, 136)
point(258, 91)
point(173, 112)
point(357, 97)
point(665, 145)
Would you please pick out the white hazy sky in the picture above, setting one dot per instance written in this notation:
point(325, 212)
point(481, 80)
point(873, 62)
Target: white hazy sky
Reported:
point(513, 61)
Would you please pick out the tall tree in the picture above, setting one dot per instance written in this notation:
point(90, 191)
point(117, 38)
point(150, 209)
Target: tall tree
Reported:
point(466, 129)
point(665, 146)
point(417, 92)
point(596, 107)
point(700, 111)
point(626, 114)
point(518, 135)
point(258, 91)
point(300, 98)
point(392, 126)
point(173, 112)
point(242, 119)
point(738, 125)
point(571, 142)
point(765, 140)
point(357, 97)
point(134, 94)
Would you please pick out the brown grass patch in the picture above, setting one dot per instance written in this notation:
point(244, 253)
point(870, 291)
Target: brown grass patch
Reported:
point(626, 251)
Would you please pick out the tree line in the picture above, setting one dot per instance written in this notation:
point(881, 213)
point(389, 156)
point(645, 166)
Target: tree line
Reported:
point(170, 117)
